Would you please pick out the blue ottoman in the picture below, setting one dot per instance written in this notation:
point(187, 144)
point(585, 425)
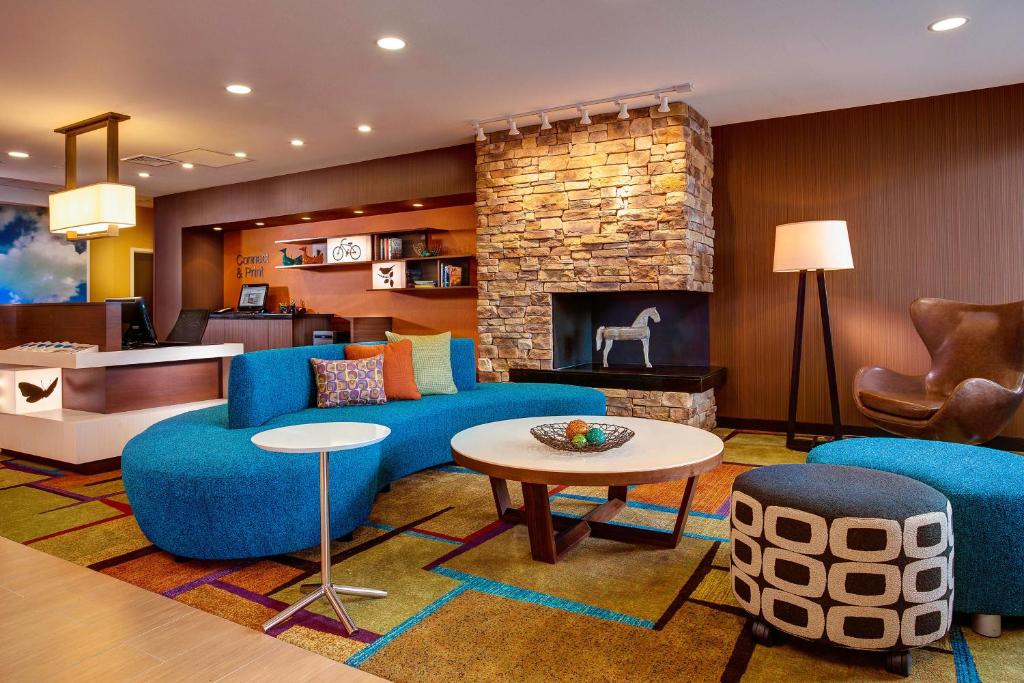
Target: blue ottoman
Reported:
point(986, 489)
point(842, 556)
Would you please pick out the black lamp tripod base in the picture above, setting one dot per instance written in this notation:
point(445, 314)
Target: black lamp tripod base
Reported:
point(792, 442)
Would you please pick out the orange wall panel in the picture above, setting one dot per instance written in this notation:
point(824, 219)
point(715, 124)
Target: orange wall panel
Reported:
point(342, 291)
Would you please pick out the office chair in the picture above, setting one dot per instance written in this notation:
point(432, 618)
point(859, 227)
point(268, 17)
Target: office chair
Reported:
point(190, 326)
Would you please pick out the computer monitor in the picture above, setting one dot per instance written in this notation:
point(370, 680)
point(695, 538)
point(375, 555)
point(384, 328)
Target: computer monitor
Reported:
point(136, 324)
point(253, 298)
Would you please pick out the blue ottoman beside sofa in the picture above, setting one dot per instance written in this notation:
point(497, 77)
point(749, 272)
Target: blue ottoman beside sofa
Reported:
point(200, 489)
point(986, 490)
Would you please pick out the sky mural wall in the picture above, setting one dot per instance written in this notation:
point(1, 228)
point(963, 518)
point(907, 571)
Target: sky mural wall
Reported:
point(37, 266)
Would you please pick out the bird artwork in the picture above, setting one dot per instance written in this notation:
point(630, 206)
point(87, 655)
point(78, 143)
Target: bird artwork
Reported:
point(308, 258)
point(388, 276)
point(287, 260)
point(34, 394)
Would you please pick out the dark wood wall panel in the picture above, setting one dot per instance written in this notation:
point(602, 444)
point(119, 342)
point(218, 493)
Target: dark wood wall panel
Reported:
point(433, 173)
point(202, 269)
point(84, 323)
point(933, 192)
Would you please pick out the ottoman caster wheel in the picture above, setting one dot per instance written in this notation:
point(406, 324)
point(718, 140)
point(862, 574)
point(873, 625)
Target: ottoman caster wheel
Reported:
point(762, 633)
point(898, 662)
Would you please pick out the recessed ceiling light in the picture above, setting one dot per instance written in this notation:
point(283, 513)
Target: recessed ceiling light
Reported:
point(417, 205)
point(217, 228)
point(359, 211)
point(187, 166)
point(297, 143)
point(260, 223)
point(363, 128)
point(307, 218)
point(947, 24)
point(241, 155)
point(18, 155)
point(143, 174)
point(238, 89)
point(390, 43)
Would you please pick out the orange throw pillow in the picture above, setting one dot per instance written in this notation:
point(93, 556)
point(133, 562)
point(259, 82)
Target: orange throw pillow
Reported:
point(399, 380)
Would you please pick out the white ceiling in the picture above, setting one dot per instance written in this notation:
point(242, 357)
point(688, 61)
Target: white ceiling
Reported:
point(316, 72)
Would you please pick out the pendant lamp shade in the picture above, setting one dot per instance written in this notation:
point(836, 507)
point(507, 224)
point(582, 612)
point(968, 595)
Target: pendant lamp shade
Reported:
point(92, 208)
point(812, 245)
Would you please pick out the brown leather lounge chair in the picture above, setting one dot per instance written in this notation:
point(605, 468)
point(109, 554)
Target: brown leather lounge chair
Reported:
point(976, 381)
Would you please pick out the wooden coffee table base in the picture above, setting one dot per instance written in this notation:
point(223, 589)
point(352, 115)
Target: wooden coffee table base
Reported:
point(552, 535)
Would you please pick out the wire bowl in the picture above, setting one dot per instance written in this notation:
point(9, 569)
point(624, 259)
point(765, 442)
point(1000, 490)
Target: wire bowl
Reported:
point(553, 436)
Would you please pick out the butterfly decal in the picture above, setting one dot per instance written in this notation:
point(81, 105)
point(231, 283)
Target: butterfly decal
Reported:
point(34, 394)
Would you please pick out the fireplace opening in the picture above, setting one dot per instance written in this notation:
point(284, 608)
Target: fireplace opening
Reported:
point(675, 329)
point(655, 340)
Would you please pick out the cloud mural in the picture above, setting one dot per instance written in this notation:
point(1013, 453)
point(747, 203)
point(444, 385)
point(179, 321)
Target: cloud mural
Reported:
point(35, 265)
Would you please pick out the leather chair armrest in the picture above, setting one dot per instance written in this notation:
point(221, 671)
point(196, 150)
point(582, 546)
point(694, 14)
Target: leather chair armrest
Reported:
point(976, 411)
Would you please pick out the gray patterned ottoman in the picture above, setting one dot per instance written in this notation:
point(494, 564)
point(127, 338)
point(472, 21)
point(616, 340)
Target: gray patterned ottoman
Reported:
point(844, 556)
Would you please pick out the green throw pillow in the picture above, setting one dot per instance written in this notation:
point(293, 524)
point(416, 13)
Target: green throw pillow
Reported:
point(431, 361)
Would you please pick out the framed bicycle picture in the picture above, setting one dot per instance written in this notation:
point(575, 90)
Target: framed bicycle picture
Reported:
point(348, 249)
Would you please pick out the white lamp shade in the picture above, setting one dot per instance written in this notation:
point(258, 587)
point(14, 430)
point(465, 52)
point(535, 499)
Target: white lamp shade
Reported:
point(93, 208)
point(812, 245)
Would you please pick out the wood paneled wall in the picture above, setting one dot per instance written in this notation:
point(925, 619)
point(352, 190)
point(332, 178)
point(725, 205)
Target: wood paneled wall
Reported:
point(933, 192)
point(434, 173)
point(202, 269)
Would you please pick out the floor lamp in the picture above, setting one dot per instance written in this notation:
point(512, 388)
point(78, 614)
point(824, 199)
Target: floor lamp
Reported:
point(803, 247)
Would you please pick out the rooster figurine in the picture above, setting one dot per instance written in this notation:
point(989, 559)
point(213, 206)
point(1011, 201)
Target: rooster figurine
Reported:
point(311, 258)
point(287, 260)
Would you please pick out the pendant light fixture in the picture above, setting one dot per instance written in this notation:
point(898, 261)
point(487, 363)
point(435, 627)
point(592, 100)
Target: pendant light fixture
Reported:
point(100, 209)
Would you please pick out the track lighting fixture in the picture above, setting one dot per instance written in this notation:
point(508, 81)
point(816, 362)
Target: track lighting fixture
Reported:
point(661, 96)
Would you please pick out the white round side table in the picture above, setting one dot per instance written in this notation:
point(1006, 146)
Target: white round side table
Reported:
point(322, 438)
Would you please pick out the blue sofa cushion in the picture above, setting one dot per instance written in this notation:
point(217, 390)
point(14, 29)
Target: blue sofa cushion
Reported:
point(265, 384)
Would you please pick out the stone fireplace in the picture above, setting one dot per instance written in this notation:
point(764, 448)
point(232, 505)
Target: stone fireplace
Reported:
point(582, 226)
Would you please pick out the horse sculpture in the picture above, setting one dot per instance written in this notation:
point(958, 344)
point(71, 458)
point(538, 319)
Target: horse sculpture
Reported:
point(638, 331)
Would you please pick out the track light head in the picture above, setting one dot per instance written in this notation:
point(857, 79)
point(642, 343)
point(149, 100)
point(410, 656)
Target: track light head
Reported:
point(512, 130)
point(584, 116)
point(480, 137)
point(663, 107)
point(623, 111)
point(544, 123)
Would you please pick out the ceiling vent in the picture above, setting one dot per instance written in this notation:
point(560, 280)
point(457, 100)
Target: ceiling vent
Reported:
point(207, 157)
point(149, 160)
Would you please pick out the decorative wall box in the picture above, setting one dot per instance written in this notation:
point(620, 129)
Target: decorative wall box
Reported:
point(25, 389)
point(389, 275)
point(351, 249)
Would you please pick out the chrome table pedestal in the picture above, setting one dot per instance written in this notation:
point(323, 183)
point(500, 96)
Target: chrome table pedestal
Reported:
point(326, 589)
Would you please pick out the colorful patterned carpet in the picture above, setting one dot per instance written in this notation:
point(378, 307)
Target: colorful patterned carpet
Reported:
point(467, 602)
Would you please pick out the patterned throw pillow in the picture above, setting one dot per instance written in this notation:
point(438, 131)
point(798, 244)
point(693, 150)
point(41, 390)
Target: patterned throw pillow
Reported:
point(431, 361)
point(349, 382)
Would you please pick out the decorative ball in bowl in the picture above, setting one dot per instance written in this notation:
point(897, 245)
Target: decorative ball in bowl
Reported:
point(580, 437)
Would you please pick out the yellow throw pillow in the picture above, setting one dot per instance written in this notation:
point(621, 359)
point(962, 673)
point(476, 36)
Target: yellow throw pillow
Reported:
point(431, 361)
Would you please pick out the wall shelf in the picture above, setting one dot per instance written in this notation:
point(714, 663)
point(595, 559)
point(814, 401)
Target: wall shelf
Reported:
point(310, 266)
point(438, 257)
point(426, 290)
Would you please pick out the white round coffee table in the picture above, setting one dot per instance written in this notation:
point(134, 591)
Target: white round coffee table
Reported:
point(322, 438)
point(660, 451)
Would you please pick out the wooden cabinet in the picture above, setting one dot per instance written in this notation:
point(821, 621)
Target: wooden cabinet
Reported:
point(266, 331)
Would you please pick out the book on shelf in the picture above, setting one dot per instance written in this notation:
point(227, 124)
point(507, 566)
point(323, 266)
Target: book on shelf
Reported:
point(451, 276)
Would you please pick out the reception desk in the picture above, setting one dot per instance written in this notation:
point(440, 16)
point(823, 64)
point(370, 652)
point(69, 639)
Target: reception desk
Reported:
point(110, 396)
point(260, 331)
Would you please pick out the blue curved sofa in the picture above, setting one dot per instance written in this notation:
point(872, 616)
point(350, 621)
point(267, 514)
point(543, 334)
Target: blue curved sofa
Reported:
point(200, 489)
point(986, 490)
